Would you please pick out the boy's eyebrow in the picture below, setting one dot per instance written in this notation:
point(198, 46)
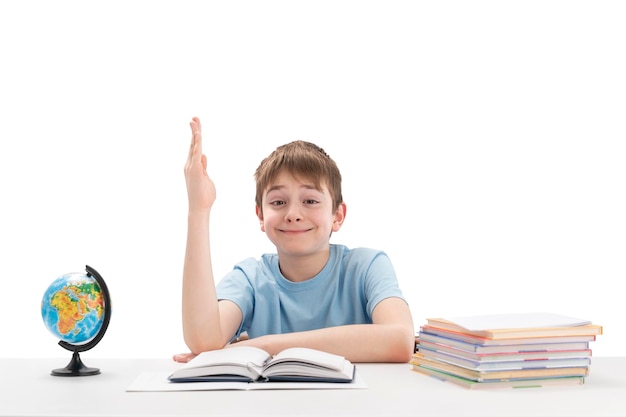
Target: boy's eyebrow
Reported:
point(280, 186)
point(273, 188)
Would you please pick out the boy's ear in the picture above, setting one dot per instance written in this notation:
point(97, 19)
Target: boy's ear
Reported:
point(259, 214)
point(340, 216)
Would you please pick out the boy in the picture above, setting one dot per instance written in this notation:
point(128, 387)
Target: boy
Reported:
point(310, 293)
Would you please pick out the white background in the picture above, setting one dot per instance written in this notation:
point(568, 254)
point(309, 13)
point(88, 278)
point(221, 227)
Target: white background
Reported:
point(482, 145)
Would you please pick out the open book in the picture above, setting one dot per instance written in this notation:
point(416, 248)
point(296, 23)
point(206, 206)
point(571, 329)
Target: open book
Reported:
point(251, 364)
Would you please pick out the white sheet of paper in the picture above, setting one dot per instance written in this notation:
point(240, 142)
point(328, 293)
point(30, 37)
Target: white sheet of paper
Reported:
point(516, 321)
point(157, 381)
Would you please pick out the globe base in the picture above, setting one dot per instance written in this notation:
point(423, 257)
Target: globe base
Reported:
point(76, 367)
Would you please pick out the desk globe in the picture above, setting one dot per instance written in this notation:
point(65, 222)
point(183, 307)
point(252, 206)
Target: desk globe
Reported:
point(76, 308)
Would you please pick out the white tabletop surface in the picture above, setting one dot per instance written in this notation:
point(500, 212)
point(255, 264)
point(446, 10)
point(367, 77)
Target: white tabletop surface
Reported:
point(28, 389)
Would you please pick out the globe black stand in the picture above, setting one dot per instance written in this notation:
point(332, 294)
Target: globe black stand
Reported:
point(76, 367)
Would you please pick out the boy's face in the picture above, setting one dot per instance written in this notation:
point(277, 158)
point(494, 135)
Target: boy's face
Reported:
point(297, 217)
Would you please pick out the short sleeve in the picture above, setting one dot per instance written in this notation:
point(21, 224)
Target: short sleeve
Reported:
point(380, 282)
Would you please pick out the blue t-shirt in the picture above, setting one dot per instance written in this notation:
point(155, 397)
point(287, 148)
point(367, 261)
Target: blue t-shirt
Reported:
point(346, 291)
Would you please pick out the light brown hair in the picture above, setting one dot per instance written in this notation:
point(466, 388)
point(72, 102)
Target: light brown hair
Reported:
point(303, 160)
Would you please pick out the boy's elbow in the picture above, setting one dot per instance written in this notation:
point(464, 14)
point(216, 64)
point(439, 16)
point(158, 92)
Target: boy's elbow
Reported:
point(404, 353)
point(197, 346)
point(401, 353)
point(403, 347)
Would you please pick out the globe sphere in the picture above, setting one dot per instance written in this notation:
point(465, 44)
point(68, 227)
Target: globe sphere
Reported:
point(73, 308)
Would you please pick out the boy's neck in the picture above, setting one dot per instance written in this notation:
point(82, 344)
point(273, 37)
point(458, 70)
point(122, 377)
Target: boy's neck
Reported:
point(301, 268)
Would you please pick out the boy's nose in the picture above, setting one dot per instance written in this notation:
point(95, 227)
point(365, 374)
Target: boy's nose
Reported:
point(293, 216)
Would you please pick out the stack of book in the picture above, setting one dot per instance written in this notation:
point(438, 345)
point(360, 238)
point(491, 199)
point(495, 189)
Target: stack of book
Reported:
point(506, 350)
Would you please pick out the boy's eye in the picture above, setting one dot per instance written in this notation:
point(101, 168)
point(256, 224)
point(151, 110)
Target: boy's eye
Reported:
point(308, 201)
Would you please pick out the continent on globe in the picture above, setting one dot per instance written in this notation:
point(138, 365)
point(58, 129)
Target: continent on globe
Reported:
point(73, 307)
point(74, 303)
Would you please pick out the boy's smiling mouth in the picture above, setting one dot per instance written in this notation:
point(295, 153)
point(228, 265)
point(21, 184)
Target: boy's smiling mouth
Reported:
point(294, 231)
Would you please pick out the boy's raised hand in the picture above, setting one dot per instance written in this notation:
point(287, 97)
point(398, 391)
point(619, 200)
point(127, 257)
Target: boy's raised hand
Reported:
point(200, 188)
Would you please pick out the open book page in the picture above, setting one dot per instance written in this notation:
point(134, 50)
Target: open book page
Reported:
point(237, 363)
point(310, 356)
point(515, 321)
point(308, 364)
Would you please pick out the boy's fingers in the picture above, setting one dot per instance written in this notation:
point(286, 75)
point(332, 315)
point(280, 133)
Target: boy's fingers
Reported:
point(183, 357)
point(196, 138)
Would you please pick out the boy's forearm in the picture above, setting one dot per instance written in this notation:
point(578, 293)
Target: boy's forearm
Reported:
point(358, 342)
point(199, 301)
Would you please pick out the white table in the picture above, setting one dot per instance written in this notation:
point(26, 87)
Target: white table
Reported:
point(28, 389)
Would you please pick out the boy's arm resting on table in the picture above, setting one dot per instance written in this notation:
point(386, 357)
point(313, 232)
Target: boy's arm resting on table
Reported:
point(390, 338)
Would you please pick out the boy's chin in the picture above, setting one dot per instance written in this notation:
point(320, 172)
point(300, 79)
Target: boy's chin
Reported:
point(301, 250)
